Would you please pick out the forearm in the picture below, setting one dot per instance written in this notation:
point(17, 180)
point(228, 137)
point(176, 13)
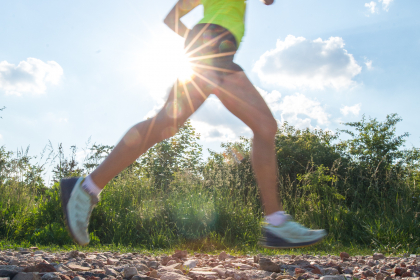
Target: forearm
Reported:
point(178, 27)
point(173, 20)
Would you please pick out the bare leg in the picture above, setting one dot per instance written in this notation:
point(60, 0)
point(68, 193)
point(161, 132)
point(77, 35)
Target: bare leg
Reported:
point(182, 102)
point(241, 98)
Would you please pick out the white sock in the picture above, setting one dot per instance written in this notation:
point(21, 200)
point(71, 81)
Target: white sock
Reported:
point(91, 187)
point(276, 219)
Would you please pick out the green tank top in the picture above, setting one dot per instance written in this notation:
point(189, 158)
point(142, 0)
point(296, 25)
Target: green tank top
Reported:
point(229, 14)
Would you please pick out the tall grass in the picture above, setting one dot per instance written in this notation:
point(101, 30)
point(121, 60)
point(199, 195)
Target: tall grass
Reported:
point(172, 197)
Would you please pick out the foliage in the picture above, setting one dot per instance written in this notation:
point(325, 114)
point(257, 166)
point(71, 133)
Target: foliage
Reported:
point(363, 190)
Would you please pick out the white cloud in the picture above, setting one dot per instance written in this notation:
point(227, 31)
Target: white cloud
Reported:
point(30, 76)
point(368, 64)
point(215, 123)
point(300, 111)
point(371, 6)
point(355, 109)
point(300, 63)
point(385, 4)
point(1, 136)
point(211, 132)
point(272, 99)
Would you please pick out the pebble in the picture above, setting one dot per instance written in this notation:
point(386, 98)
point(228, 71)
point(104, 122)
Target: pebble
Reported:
point(75, 265)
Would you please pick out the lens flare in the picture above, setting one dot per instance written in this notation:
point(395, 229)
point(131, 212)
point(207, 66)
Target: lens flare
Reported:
point(185, 71)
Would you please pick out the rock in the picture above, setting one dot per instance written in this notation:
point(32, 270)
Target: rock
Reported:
point(8, 273)
point(330, 271)
point(78, 278)
point(153, 264)
point(11, 267)
point(220, 271)
point(268, 265)
point(73, 254)
point(316, 270)
point(378, 256)
point(142, 267)
point(153, 274)
point(129, 272)
point(164, 260)
point(173, 276)
point(406, 274)
point(202, 273)
point(347, 271)
point(368, 273)
point(171, 262)
point(76, 267)
point(333, 277)
point(41, 267)
point(223, 255)
point(299, 270)
point(399, 271)
point(62, 268)
point(142, 277)
point(4, 278)
point(189, 264)
point(51, 276)
point(380, 276)
point(257, 258)
point(180, 254)
point(281, 277)
point(111, 272)
point(242, 266)
point(25, 251)
point(27, 276)
point(111, 261)
point(344, 255)
point(174, 266)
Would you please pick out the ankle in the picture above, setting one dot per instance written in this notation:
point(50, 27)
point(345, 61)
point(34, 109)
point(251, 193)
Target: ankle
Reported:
point(276, 218)
point(89, 186)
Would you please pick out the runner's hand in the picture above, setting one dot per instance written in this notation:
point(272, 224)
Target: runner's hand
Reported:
point(267, 2)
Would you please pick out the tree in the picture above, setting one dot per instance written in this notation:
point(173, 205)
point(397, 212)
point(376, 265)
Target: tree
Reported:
point(374, 142)
point(377, 168)
point(180, 153)
point(66, 167)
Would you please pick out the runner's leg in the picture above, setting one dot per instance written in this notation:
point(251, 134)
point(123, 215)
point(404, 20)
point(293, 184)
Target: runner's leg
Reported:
point(177, 109)
point(241, 98)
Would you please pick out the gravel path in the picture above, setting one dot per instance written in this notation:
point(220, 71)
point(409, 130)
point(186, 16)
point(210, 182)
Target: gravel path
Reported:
point(33, 264)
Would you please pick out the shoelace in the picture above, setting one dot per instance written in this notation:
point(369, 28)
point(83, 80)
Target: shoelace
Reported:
point(85, 207)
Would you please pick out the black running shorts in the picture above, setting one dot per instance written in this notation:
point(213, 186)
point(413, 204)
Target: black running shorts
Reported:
point(212, 47)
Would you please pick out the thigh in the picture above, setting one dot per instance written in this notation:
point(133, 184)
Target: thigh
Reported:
point(243, 100)
point(183, 100)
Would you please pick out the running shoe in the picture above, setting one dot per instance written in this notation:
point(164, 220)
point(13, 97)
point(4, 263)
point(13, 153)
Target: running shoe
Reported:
point(290, 235)
point(77, 206)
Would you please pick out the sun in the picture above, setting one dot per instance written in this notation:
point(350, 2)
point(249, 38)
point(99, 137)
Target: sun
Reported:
point(161, 62)
point(184, 68)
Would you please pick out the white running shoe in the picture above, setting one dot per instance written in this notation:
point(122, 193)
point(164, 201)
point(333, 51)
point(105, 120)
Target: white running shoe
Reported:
point(77, 205)
point(290, 235)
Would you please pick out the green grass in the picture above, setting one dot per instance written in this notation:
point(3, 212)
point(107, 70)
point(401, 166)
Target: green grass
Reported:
point(207, 247)
point(171, 199)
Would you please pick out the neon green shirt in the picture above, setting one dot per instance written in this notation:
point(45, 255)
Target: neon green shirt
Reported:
point(227, 13)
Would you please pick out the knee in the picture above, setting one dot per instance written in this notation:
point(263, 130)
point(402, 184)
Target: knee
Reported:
point(266, 129)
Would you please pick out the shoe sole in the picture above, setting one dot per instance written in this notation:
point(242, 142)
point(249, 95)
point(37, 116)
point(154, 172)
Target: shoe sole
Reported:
point(66, 187)
point(274, 242)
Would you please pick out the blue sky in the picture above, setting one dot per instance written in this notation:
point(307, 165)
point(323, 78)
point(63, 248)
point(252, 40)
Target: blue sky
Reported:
point(74, 70)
